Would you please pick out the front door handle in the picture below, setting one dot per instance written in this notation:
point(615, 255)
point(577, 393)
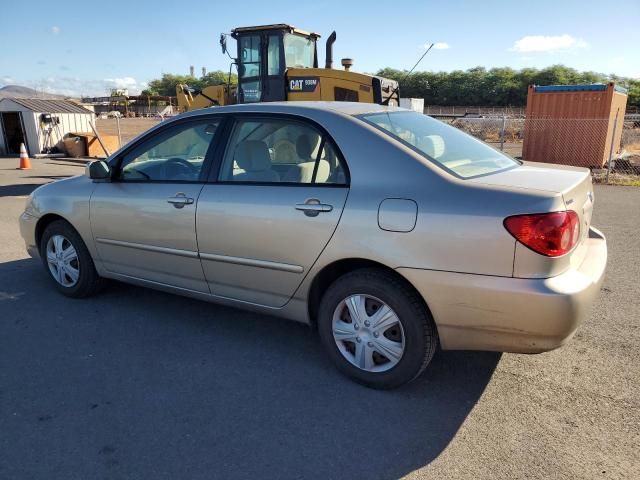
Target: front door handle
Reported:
point(180, 200)
point(313, 207)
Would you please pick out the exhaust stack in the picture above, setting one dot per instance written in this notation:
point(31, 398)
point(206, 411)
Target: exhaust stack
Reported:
point(328, 62)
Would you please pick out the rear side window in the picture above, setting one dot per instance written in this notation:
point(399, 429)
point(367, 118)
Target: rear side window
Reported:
point(445, 146)
point(273, 150)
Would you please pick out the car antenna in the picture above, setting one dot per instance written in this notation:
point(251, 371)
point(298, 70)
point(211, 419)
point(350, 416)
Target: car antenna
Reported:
point(386, 102)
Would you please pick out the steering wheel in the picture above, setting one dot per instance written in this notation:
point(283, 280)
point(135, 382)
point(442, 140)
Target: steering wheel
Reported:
point(182, 166)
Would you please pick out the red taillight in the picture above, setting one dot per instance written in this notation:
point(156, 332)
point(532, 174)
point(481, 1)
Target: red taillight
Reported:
point(551, 234)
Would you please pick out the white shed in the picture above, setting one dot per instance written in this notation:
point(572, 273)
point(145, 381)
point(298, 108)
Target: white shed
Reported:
point(39, 123)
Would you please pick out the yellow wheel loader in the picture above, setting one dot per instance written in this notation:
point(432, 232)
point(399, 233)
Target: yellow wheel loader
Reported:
point(280, 62)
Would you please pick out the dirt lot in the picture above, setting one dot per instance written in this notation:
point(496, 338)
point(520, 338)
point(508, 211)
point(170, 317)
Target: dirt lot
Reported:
point(129, 127)
point(135, 383)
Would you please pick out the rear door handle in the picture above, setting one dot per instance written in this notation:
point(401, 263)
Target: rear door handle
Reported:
point(180, 200)
point(313, 207)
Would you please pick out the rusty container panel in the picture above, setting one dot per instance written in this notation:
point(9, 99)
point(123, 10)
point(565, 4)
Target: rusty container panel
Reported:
point(572, 124)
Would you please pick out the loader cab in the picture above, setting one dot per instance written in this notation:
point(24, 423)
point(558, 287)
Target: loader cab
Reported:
point(264, 55)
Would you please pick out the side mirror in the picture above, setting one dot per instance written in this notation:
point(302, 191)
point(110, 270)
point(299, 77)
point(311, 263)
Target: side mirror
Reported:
point(98, 170)
point(223, 43)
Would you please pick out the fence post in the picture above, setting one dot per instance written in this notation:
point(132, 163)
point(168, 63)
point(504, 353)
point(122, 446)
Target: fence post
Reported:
point(613, 139)
point(119, 136)
point(504, 120)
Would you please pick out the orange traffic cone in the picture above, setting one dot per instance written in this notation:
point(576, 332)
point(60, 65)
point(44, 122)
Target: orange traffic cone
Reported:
point(25, 161)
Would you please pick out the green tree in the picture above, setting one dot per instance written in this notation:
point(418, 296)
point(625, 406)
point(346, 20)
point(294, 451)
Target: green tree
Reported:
point(496, 87)
point(166, 85)
point(218, 78)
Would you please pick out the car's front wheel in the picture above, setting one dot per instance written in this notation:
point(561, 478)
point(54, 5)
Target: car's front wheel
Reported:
point(376, 328)
point(68, 261)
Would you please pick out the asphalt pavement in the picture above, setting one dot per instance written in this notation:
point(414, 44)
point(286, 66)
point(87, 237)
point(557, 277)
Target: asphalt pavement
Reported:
point(137, 384)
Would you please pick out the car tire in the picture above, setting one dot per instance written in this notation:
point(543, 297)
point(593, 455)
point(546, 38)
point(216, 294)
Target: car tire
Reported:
point(86, 281)
point(368, 291)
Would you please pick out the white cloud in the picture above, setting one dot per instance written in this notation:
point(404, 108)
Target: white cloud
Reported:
point(6, 80)
point(547, 43)
point(124, 82)
point(55, 30)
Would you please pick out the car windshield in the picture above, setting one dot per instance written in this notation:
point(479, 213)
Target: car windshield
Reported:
point(298, 51)
point(446, 146)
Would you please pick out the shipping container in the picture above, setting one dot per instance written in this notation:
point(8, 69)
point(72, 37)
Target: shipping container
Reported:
point(415, 104)
point(574, 124)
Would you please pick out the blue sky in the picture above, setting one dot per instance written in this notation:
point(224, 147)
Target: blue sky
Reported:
point(84, 47)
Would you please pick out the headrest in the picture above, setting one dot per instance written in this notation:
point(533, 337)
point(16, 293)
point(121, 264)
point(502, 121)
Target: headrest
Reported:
point(303, 147)
point(253, 156)
point(432, 145)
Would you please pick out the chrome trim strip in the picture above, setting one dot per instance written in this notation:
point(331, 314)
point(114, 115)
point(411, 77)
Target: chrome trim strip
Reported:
point(250, 262)
point(149, 248)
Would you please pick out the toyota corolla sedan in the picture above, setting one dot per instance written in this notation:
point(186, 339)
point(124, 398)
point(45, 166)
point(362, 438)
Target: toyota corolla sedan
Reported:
point(389, 232)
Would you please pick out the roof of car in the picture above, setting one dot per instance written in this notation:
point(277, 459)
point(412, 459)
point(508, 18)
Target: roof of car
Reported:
point(346, 108)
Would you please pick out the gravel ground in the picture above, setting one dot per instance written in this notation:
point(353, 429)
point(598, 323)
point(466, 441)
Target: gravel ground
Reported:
point(138, 384)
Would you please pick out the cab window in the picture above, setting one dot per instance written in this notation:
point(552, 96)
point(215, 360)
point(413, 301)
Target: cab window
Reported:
point(298, 51)
point(250, 56)
point(273, 55)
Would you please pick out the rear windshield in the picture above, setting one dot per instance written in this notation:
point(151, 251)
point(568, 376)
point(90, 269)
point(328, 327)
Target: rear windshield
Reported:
point(446, 146)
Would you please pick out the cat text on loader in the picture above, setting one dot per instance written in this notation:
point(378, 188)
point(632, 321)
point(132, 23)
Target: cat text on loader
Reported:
point(280, 62)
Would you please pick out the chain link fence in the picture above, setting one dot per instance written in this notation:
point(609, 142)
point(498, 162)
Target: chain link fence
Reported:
point(126, 129)
point(578, 142)
point(610, 149)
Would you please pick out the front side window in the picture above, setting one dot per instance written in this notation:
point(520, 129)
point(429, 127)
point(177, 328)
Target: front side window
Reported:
point(175, 155)
point(280, 151)
point(445, 146)
point(298, 51)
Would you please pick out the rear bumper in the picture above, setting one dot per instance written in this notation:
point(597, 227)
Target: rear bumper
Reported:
point(478, 312)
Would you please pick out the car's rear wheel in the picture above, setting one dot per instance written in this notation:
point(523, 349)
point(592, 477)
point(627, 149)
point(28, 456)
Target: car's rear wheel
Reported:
point(376, 328)
point(68, 261)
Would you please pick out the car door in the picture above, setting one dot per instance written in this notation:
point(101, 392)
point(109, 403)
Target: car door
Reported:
point(278, 195)
point(143, 220)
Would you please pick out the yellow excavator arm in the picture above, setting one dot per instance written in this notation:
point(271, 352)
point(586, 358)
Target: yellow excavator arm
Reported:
point(191, 99)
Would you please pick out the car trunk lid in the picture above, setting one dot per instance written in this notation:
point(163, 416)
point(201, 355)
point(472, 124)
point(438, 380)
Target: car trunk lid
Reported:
point(575, 187)
point(573, 183)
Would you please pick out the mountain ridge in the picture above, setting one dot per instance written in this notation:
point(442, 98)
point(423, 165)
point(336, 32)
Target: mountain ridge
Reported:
point(18, 91)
